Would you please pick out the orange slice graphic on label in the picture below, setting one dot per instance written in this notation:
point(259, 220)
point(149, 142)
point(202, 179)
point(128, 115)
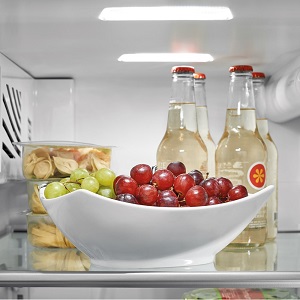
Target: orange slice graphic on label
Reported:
point(257, 175)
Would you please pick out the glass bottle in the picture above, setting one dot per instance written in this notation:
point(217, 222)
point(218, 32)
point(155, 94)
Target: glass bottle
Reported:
point(272, 162)
point(242, 259)
point(182, 141)
point(241, 153)
point(202, 120)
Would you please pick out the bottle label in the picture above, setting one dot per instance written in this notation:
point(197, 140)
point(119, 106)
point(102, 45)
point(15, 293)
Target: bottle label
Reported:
point(241, 294)
point(257, 175)
point(247, 293)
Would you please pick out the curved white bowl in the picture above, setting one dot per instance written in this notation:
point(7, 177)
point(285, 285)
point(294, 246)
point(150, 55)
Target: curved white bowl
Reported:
point(123, 235)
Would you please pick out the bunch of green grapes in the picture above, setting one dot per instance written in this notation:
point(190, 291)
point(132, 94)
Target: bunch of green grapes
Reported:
point(100, 182)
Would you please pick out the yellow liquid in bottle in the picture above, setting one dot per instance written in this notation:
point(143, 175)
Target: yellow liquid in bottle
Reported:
point(203, 129)
point(181, 141)
point(241, 259)
point(239, 150)
point(272, 178)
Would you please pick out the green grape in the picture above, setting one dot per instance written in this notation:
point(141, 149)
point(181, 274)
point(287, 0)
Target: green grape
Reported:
point(54, 189)
point(105, 177)
point(79, 174)
point(63, 180)
point(106, 192)
point(90, 183)
point(72, 186)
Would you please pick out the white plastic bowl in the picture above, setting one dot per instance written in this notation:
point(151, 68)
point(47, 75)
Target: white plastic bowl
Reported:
point(123, 235)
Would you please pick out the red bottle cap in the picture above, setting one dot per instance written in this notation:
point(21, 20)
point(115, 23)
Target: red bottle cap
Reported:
point(183, 69)
point(199, 76)
point(241, 68)
point(258, 75)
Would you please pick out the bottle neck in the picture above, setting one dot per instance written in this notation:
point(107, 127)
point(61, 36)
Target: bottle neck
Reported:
point(201, 107)
point(200, 92)
point(263, 127)
point(241, 91)
point(182, 88)
point(259, 96)
point(241, 106)
point(182, 108)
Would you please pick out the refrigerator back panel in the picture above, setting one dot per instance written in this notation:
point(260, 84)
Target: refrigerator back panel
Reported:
point(125, 104)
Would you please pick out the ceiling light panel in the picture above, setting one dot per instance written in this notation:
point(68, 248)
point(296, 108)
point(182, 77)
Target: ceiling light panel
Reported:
point(165, 13)
point(166, 57)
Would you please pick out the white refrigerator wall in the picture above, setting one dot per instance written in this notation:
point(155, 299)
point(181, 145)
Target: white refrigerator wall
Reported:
point(53, 109)
point(132, 114)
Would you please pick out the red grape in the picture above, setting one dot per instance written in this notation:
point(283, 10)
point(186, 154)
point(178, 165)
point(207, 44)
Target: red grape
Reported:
point(146, 194)
point(176, 167)
point(141, 173)
point(211, 186)
point(237, 192)
point(125, 185)
point(166, 198)
point(174, 187)
point(183, 183)
point(224, 186)
point(168, 201)
point(163, 179)
point(214, 200)
point(196, 196)
point(127, 198)
point(166, 193)
point(116, 179)
point(197, 175)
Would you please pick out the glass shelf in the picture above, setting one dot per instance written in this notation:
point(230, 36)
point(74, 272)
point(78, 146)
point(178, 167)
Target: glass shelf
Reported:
point(275, 265)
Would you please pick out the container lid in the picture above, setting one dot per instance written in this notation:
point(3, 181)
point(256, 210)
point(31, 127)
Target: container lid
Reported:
point(199, 76)
point(241, 68)
point(258, 75)
point(183, 69)
point(59, 144)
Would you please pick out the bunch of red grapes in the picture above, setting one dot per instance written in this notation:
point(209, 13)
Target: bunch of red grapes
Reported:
point(174, 187)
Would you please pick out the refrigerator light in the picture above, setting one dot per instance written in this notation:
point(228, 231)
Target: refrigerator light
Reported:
point(162, 13)
point(166, 57)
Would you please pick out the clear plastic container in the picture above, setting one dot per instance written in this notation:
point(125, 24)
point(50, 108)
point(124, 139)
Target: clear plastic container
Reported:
point(42, 232)
point(55, 160)
point(50, 259)
point(34, 203)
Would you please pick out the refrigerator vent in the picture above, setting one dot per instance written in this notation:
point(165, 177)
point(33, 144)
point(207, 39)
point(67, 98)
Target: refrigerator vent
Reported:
point(22, 98)
point(11, 121)
point(16, 125)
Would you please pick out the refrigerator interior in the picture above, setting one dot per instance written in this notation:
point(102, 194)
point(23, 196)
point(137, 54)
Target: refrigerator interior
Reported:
point(60, 72)
point(61, 80)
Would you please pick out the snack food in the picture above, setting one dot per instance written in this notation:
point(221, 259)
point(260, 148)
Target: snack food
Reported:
point(58, 260)
point(42, 232)
point(34, 203)
point(54, 160)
